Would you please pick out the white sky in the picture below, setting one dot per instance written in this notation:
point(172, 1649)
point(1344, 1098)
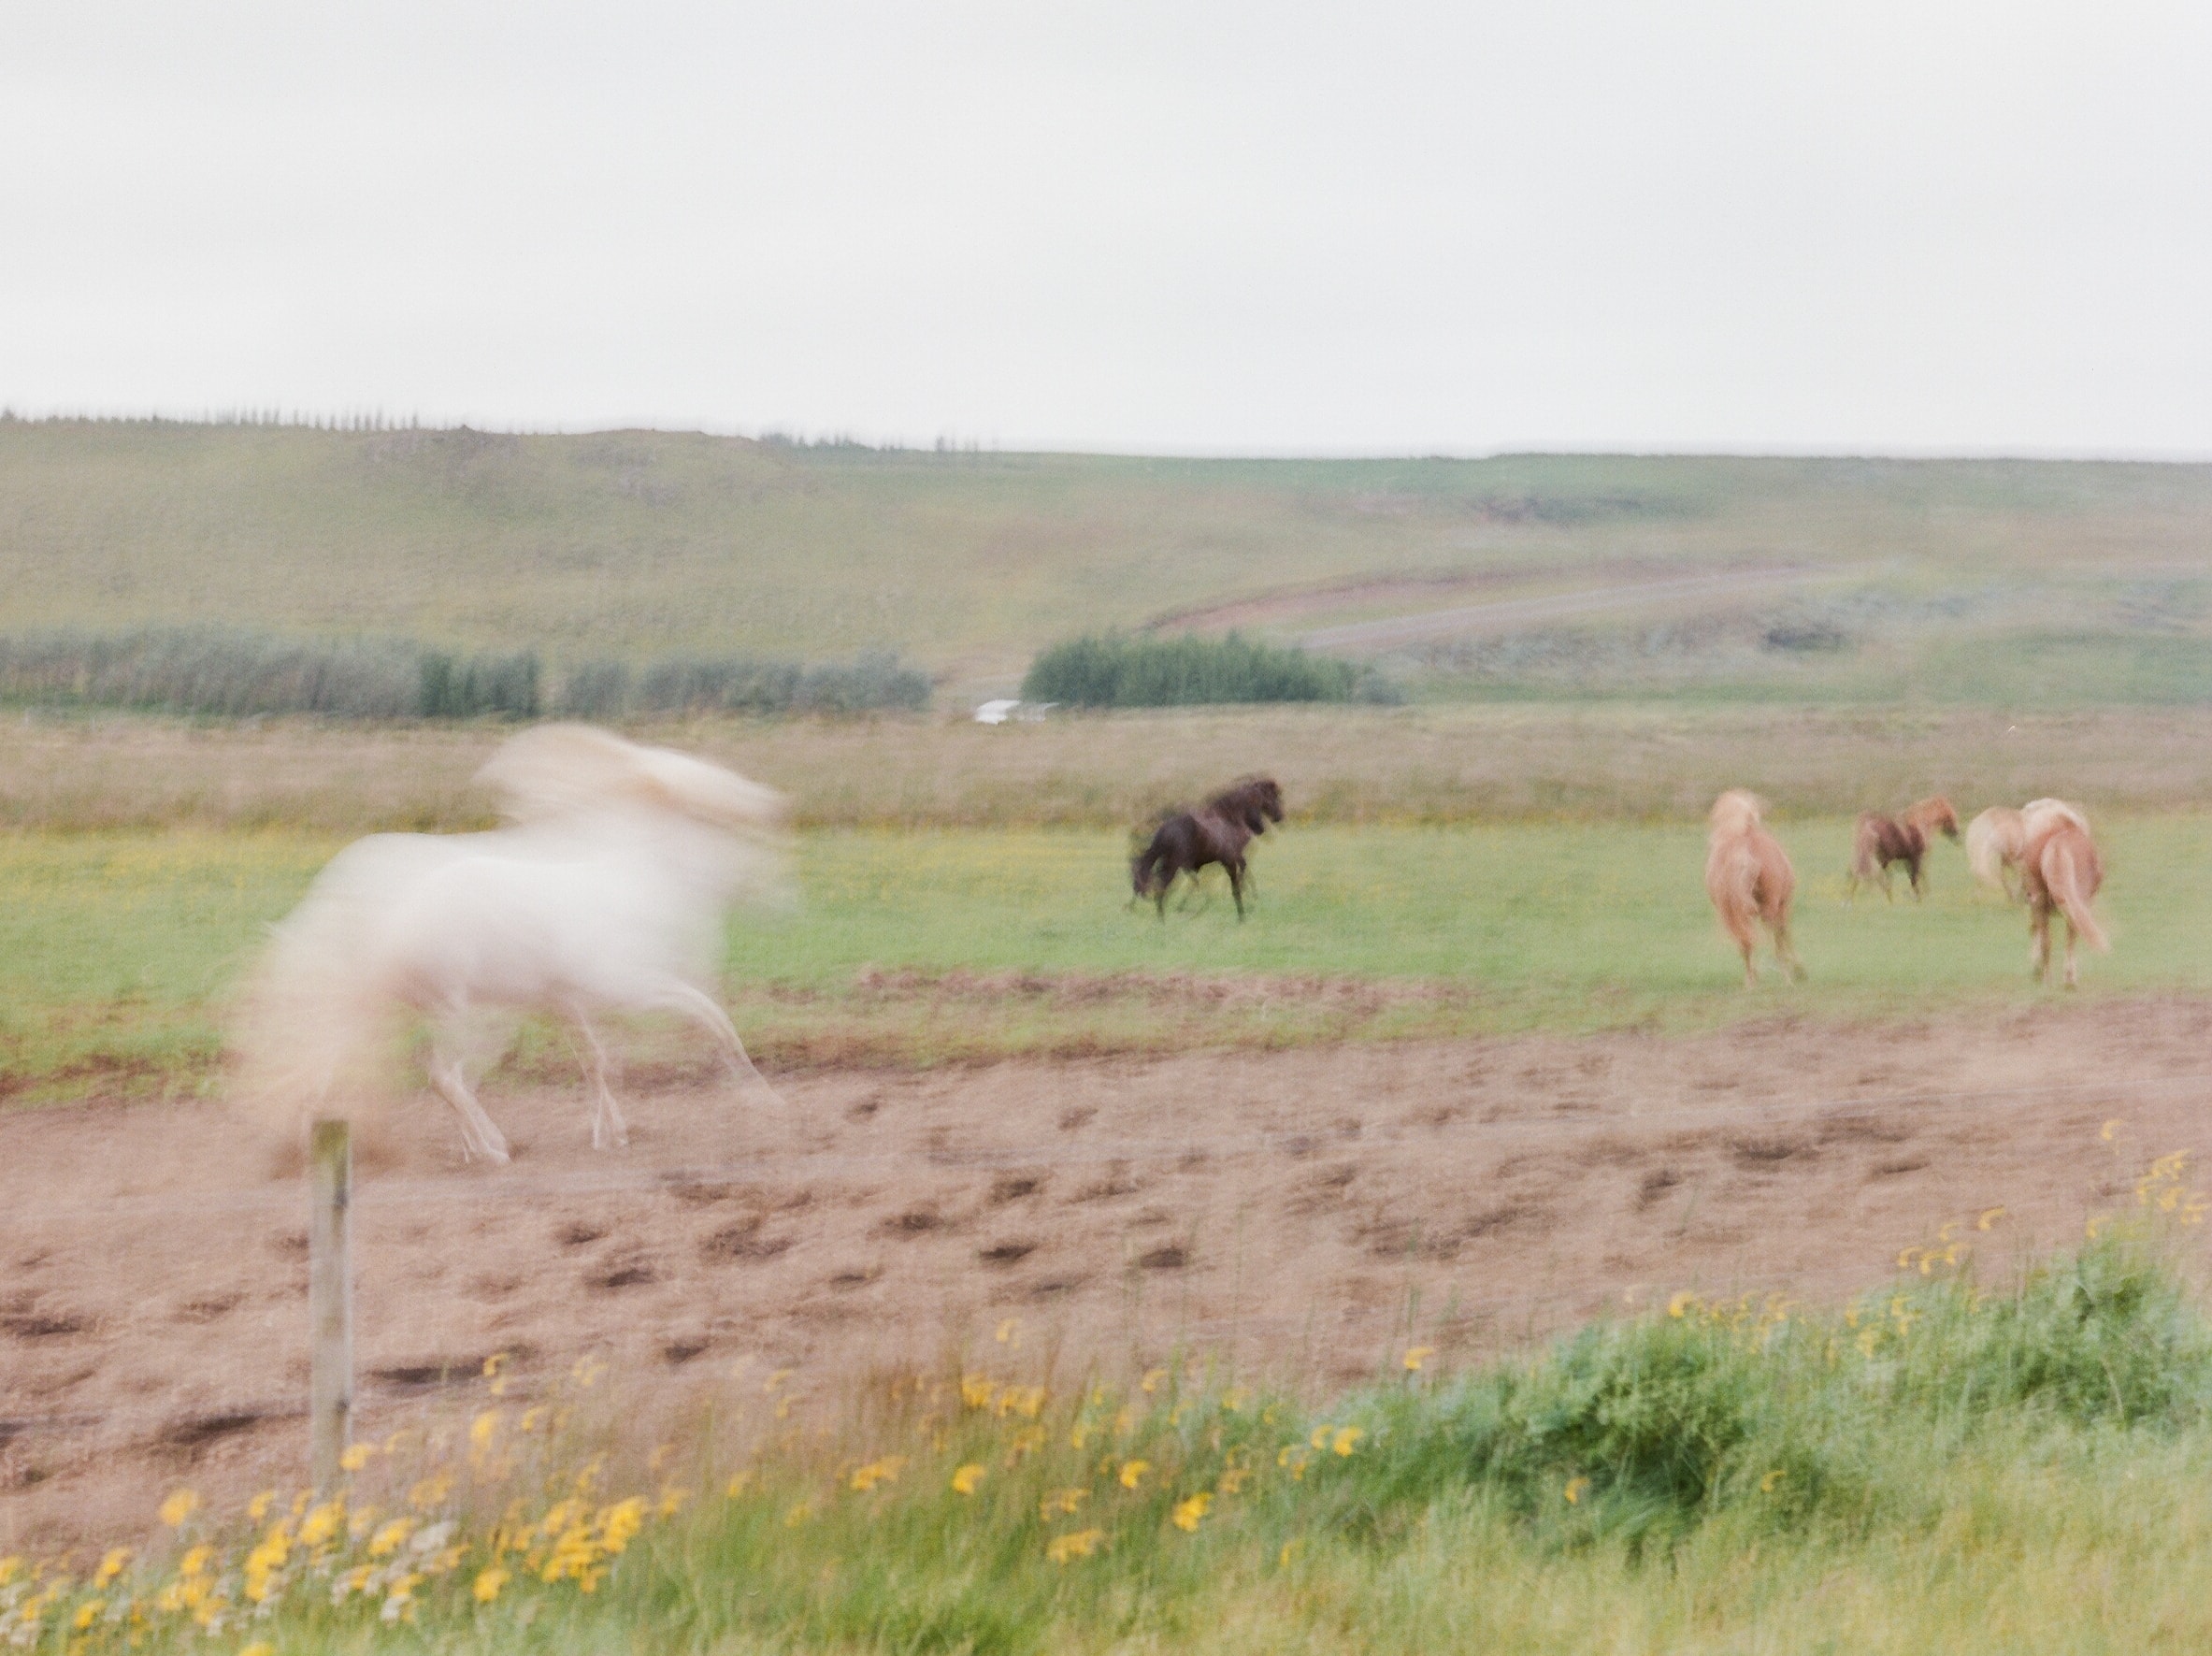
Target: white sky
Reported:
point(1178, 227)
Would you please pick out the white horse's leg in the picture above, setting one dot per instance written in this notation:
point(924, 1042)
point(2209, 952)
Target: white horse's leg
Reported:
point(678, 996)
point(479, 1135)
point(608, 1130)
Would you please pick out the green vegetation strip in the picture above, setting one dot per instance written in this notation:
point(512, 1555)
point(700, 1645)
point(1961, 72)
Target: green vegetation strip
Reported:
point(116, 950)
point(1941, 1466)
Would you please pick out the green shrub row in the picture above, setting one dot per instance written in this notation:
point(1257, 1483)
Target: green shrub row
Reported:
point(1116, 669)
point(225, 672)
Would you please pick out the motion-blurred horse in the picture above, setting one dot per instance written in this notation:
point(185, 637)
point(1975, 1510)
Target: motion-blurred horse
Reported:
point(1880, 841)
point(2060, 873)
point(1217, 832)
point(1749, 879)
point(606, 892)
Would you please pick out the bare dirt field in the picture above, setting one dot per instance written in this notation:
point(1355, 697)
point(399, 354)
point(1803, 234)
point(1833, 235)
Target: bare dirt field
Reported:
point(1306, 1214)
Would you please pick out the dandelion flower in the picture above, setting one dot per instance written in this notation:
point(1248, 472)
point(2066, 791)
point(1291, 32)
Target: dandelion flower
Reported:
point(1346, 1438)
point(1188, 1513)
point(357, 1456)
point(1132, 1473)
point(1417, 1355)
point(1075, 1544)
point(388, 1538)
point(112, 1566)
point(488, 1583)
point(181, 1506)
point(966, 1477)
point(1681, 1304)
point(88, 1613)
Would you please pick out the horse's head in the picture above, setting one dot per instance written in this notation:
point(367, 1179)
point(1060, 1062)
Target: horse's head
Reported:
point(1263, 802)
point(1937, 813)
point(556, 771)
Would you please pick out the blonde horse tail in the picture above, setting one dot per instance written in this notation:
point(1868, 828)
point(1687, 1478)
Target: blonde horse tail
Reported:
point(308, 1018)
point(2061, 873)
point(1984, 853)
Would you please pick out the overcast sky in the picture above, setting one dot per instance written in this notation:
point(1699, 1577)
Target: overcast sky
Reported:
point(1346, 229)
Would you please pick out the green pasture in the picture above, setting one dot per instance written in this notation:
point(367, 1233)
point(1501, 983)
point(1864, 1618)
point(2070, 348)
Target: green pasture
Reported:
point(116, 951)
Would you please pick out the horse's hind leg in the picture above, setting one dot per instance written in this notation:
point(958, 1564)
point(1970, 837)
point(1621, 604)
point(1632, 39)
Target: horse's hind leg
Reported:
point(2038, 941)
point(608, 1130)
point(700, 1008)
point(1236, 884)
point(1786, 952)
point(479, 1135)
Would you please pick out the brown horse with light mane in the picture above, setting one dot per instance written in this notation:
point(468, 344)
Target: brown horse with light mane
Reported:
point(1749, 879)
point(2060, 873)
point(1881, 841)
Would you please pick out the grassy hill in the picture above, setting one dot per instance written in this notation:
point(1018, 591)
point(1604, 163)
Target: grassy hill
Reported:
point(1829, 578)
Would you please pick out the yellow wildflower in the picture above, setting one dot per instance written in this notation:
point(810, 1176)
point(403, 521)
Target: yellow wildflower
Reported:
point(1061, 1502)
point(1681, 1304)
point(357, 1456)
point(1075, 1544)
point(1417, 1355)
point(966, 1477)
point(885, 1471)
point(976, 1390)
point(322, 1523)
point(388, 1538)
point(181, 1506)
point(620, 1523)
point(482, 1430)
point(1188, 1513)
point(1132, 1473)
point(1153, 1378)
point(488, 1583)
point(1346, 1438)
point(112, 1566)
point(1576, 1486)
point(259, 1647)
point(88, 1613)
point(1767, 1484)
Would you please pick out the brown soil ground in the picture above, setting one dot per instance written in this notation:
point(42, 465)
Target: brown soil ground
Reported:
point(1307, 1215)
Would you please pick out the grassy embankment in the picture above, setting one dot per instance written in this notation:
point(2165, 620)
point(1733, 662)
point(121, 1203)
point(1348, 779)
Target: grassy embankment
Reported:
point(2015, 1467)
point(2015, 584)
point(116, 949)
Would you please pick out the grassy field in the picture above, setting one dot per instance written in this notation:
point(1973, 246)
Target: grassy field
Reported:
point(1433, 765)
point(116, 950)
point(2015, 1465)
point(1988, 582)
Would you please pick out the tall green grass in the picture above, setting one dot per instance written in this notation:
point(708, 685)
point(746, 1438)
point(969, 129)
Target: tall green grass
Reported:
point(1946, 1464)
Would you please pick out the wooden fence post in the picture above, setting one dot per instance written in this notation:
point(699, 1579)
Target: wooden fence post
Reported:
point(330, 1300)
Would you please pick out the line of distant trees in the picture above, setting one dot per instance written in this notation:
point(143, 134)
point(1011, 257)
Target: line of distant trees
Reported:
point(234, 673)
point(1118, 669)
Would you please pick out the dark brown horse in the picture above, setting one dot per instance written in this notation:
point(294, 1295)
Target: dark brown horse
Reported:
point(1881, 841)
point(1217, 831)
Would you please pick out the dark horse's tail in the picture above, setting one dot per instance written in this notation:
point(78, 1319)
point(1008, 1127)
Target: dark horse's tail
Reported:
point(1146, 868)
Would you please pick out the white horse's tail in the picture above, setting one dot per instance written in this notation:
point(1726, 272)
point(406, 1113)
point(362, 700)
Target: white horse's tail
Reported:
point(313, 1010)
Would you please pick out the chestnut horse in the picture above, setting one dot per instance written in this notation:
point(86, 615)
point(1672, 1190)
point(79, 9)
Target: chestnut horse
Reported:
point(2060, 873)
point(1881, 841)
point(1998, 839)
point(1749, 879)
point(1217, 831)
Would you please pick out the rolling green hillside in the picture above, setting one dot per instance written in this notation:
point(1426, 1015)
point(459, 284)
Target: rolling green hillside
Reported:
point(1818, 578)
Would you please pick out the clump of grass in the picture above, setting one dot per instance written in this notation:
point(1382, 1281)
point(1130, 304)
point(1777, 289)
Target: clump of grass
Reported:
point(872, 681)
point(1114, 670)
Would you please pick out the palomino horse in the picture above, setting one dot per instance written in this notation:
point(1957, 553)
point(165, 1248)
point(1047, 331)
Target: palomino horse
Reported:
point(1881, 841)
point(2060, 873)
point(608, 891)
point(1217, 831)
point(1998, 838)
point(1748, 876)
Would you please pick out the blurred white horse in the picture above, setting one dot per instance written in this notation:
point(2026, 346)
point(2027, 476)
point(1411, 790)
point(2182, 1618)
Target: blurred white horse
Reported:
point(606, 892)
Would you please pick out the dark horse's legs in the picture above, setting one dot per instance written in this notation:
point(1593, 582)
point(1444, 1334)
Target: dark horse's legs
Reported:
point(1236, 882)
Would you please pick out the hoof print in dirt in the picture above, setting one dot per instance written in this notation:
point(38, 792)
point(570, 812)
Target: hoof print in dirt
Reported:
point(1012, 1251)
point(915, 1221)
point(676, 1353)
point(1170, 1256)
point(1014, 1187)
point(578, 1233)
point(626, 1274)
point(745, 1240)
